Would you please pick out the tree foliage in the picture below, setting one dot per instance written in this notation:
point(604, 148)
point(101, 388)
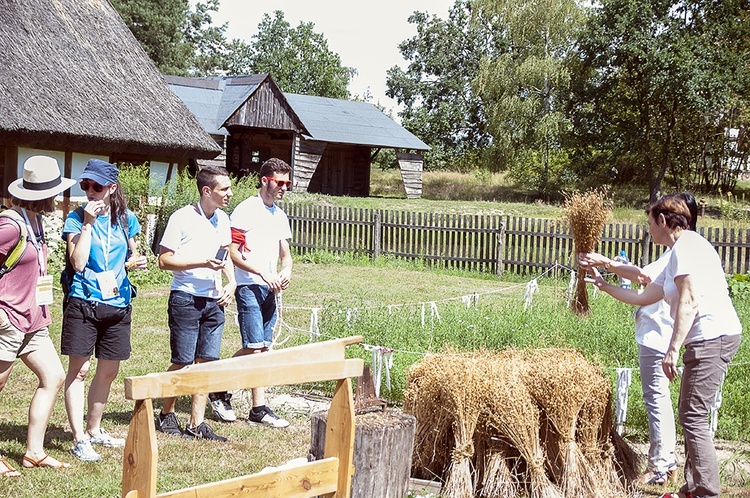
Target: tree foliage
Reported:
point(522, 87)
point(298, 58)
point(185, 42)
point(440, 105)
point(661, 85)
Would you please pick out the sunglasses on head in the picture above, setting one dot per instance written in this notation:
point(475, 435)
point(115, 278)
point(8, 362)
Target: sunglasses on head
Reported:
point(281, 183)
point(86, 185)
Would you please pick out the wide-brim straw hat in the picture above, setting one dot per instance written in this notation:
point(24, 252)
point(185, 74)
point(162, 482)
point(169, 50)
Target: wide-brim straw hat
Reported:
point(41, 180)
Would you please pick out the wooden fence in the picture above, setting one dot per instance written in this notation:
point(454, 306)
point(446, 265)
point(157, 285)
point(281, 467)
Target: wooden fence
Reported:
point(487, 243)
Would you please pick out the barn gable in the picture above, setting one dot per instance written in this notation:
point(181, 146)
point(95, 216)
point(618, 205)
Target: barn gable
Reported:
point(328, 142)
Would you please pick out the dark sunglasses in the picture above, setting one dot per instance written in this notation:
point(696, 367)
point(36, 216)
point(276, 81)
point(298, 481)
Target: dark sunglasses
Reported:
point(281, 183)
point(85, 186)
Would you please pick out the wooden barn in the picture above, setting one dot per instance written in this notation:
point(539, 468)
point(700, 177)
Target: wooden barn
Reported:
point(75, 84)
point(328, 142)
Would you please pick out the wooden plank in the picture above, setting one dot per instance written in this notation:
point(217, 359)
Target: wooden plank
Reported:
point(340, 436)
point(140, 454)
point(310, 479)
point(238, 376)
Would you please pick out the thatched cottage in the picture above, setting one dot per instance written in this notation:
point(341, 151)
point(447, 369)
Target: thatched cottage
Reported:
point(328, 142)
point(75, 84)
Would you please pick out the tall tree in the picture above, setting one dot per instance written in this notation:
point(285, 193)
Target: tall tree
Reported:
point(298, 59)
point(663, 85)
point(440, 105)
point(523, 87)
point(179, 40)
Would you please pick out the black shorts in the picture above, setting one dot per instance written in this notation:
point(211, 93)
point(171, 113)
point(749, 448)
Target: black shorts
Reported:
point(90, 326)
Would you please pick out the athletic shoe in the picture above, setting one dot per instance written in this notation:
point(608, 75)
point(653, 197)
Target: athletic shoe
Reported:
point(222, 407)
point(262, 415)
point(84, 451)
point(203, 431)
point(168, 424)
point(106, 440)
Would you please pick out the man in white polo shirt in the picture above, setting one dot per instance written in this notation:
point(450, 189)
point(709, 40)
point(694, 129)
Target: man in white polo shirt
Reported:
point(194, 247)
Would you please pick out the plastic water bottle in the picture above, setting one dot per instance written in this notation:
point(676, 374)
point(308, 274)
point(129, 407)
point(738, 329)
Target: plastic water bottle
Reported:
point(623, 258)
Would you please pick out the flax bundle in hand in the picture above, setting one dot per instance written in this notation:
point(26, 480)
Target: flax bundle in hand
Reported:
point(586, 213)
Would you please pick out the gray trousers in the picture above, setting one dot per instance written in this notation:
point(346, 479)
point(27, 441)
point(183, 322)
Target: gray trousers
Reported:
point(705, 364)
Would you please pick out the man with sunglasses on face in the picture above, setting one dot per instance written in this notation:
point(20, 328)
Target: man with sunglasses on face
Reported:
point(263, 267)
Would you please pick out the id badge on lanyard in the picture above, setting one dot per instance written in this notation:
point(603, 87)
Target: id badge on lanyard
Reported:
point(106, 279)
point(44, 294)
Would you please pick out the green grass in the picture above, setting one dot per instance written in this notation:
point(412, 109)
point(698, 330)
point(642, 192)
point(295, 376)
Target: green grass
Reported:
point(337, 286)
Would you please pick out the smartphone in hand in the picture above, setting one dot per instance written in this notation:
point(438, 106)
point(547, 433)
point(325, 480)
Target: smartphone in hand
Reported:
point(222, 254)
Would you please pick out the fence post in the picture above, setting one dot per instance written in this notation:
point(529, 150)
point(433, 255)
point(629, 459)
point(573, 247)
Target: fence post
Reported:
point(376, 236)
point(646, 249)
point(500, 248)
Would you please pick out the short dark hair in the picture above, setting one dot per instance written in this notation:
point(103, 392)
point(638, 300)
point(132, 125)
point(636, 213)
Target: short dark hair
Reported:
point(206, 177)
point(274, 165)
point(675, 209)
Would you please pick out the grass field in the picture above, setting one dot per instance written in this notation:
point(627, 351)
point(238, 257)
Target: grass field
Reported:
point(362, 292)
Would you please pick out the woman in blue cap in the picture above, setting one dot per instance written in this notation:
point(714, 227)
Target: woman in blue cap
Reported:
point(96, 318)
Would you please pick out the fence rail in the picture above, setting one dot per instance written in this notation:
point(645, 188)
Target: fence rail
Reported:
point(487, 243)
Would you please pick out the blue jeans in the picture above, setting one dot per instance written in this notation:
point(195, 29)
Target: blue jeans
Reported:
point(195, 327)
point(256, 306)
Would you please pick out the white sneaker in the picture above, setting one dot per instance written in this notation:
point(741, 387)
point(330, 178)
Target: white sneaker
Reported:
point(222, 406)
point(106, 440)
point(266, 417)
point(84, 451)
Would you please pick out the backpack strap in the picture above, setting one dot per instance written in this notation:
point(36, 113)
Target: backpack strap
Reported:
point(19, 249)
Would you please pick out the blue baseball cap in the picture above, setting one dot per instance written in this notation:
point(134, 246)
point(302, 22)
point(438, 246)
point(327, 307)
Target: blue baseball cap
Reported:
point(100, 171)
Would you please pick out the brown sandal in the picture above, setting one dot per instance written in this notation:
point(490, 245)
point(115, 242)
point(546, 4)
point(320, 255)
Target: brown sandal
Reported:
point(9, 471)
point(38, 463)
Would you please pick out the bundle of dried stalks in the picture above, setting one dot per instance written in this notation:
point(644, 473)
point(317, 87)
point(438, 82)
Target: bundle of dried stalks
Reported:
point(499, 480)
point(462, 375)
point(559, 382)
point(433, 436)
point(509, 409)
point(586, 213)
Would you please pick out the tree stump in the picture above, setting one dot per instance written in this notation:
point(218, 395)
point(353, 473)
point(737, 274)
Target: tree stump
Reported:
point(383, 445)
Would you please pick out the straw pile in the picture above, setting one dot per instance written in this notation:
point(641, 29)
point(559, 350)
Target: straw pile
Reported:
point(535, 424)
point(586, 213)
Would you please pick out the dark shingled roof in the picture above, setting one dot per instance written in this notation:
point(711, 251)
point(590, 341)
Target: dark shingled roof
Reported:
point(214, 100)
point(72, 76)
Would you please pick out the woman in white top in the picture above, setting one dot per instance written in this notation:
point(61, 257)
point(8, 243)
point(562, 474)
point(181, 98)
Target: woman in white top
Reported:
point(705, 322)
point(653, 331)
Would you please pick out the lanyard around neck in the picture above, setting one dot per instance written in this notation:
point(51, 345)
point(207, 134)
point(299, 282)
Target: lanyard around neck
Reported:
point(37, 243)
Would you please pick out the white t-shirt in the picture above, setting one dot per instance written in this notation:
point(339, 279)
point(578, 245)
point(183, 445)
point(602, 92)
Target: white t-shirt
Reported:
point(265, 227)
point(192, 236)
point(653, 323)
point(695, 256)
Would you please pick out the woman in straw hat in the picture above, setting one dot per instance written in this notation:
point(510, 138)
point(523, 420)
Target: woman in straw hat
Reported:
point(653, 331)
point(25, 293)
point(705, 322)
point(97, 314)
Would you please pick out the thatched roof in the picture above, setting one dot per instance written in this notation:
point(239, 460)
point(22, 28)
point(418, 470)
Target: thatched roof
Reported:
point(73, 77)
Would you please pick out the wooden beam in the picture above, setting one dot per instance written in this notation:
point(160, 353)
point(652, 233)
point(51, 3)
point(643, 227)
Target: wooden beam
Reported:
point(238, 376)
point(340, 436)
point(140, 455)
point(306, 480)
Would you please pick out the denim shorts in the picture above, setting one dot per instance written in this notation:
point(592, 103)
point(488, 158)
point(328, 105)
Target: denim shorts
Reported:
point(256, 307)
point(195, 327)
point(91, 327)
